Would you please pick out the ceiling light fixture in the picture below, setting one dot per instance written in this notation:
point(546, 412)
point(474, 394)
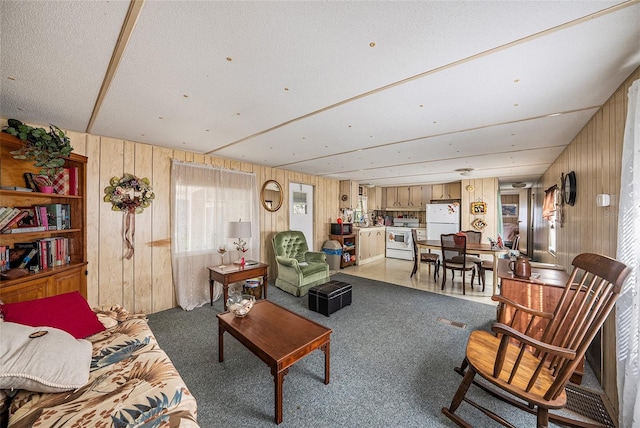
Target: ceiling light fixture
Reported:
point(519, 185)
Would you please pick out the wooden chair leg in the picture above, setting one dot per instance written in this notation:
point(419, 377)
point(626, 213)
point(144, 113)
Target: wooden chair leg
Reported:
point(444, 278)
point(464, 277)
point(542, 417)
point(467, 380)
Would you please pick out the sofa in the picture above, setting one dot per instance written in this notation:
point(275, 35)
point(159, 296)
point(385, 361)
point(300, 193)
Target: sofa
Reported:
point(298, 268)
point(116, 376)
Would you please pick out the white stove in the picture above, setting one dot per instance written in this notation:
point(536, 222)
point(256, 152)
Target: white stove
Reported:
point(399, 242)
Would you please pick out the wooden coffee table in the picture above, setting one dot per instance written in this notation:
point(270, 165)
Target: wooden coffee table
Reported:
point(278, 337)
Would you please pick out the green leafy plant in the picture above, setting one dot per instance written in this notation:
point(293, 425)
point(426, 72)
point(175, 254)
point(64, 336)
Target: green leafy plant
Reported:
point(46, 148)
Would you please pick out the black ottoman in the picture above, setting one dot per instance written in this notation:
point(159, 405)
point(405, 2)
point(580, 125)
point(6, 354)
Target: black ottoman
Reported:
point(329, 297)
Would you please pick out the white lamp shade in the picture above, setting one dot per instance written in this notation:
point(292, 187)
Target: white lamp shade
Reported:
point(240, 229)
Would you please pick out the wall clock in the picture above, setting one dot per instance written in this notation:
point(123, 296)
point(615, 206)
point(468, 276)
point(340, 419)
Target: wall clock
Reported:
point(569, 188)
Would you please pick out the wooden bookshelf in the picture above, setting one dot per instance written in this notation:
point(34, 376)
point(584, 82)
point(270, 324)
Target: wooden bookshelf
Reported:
point(58, 279)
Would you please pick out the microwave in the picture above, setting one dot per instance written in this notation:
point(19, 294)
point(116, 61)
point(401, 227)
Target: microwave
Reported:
point(341, 229)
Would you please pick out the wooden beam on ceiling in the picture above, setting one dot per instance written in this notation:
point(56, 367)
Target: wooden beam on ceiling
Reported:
point(130, 20)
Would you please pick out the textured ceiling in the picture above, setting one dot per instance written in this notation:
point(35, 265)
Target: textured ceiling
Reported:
point(385, 93)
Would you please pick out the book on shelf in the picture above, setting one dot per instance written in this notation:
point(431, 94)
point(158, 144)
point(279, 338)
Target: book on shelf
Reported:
point(73, 181)
point(29, 255)
point(25, 229)
point(30, 220)
point(58, 216)
point(7, 215)
point(61, 182)
point(16, 188)
point(4, 258)
point(30, 182)
point(14, 220)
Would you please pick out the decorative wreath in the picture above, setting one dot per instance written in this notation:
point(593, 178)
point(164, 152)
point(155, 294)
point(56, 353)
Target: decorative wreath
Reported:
point(129, 193)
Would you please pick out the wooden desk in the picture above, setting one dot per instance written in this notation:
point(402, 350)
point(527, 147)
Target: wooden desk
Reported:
point(278, 337)
point(474, 248)
point(234, 273)
point(542, 292)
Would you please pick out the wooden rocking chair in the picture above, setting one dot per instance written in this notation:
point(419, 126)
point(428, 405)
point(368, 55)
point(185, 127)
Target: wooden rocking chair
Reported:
point(534, 366)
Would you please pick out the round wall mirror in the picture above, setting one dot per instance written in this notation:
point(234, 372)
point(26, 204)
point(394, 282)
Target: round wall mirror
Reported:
point(271, 195)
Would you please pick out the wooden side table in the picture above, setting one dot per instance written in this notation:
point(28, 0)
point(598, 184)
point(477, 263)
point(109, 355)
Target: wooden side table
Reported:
point(234, 273)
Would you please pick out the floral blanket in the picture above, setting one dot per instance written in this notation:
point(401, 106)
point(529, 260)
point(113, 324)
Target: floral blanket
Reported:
point(132, 383)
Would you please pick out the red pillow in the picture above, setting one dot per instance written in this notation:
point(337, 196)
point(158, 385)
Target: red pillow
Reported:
point(69, 312)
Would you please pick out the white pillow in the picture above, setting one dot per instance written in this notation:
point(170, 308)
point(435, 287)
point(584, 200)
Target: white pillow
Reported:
point(53, 362)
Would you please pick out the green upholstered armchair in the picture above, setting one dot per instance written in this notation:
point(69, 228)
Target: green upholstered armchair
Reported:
point(298, 268)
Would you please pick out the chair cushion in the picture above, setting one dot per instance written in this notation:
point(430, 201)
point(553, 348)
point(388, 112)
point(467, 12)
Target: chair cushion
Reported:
point(453, 265)
point(470, 259)
point(311, 268)
point(429, 257)
point(290, 244)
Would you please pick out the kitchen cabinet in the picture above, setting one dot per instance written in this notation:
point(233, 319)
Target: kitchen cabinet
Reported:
point(446, 191)
point(348, 243)
point(348, 194)
point(416, 200)
point(370, 244)
point(391, 197)
point(403, 196)
point(375, 198)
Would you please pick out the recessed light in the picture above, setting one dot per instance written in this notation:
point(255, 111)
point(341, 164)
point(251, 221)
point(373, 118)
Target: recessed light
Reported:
point(515, 105)
point(160, 117)
point(229, 59)
point(286, 89)
point(516, 80)
point(11, 78)
point(185, 96)
point(372, 44)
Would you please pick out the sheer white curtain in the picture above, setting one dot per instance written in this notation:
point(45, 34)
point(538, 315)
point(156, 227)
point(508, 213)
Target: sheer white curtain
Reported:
point(628, 305)
point(204, 200)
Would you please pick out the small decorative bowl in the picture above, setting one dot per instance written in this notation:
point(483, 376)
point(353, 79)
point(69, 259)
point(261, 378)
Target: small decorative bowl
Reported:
point(240, 304)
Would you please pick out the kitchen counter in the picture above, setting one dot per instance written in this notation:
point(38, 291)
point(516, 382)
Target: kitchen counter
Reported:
point(370, 243)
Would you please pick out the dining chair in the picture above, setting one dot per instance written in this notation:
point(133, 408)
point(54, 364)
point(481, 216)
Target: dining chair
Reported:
point(529, 369)
point(430, 258)
point(473, 237)
point(454, 257)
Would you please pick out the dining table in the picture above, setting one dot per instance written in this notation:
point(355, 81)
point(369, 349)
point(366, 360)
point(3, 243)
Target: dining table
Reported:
point(472, 248)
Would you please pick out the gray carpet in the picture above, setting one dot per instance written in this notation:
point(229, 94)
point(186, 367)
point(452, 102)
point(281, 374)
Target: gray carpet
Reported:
point(391, 363)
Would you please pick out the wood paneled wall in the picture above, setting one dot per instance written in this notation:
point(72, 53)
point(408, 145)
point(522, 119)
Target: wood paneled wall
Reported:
point(595, 155)
point(484, 190)
point(144, 283)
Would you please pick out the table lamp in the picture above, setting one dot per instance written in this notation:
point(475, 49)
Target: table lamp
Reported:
point(240, 229)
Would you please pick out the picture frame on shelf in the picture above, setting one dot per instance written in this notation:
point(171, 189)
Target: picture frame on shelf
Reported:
point(509, 210)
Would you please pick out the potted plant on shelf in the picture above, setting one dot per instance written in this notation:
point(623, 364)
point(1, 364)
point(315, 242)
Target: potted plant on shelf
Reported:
point(46, 148)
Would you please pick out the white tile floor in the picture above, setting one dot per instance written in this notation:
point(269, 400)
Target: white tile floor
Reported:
point(398, 272)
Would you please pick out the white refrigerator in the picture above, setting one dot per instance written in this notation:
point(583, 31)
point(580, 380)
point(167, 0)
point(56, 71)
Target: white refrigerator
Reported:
point(442, 218)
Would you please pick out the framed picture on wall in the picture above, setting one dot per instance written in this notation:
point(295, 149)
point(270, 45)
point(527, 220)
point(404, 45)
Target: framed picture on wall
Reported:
point(509, 210)
point(478, 208)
